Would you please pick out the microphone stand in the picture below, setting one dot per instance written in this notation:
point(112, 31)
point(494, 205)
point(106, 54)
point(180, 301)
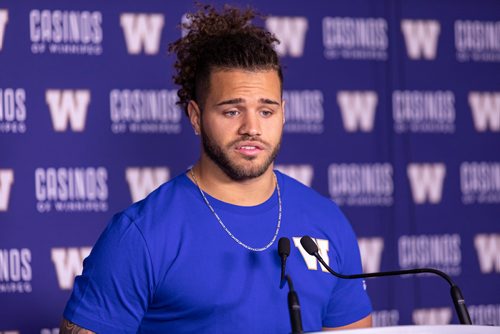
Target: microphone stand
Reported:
point(294, 308)
point(456, 294)
point(293, 299)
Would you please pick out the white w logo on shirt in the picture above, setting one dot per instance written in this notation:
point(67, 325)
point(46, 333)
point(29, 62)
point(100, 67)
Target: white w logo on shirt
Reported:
point(311, 261)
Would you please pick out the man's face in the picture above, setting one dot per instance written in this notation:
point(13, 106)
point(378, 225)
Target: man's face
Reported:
point(242, 121)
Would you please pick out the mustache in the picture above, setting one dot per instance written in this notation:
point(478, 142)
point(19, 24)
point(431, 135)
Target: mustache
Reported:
point(248, 138)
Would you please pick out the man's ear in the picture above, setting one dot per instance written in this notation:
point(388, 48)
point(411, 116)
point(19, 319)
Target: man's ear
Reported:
point(194, 114)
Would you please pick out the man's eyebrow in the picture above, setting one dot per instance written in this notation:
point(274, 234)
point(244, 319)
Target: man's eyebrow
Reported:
point(240, 100)
point(230, 101)
point(269, 101)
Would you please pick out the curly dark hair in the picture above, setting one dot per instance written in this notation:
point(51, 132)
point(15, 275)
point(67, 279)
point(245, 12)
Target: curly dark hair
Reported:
point(220, 40)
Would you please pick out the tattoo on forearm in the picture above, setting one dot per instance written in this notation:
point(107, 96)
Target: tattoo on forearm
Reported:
point(67, 327)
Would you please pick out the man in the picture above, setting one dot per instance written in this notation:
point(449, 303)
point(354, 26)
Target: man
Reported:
point(199, 253)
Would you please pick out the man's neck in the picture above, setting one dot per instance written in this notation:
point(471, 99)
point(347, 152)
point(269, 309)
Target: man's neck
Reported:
point(212, 180)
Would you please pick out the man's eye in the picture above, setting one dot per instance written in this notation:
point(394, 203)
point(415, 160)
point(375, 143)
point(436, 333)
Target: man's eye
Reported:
point(266, 113)
point(231, 113)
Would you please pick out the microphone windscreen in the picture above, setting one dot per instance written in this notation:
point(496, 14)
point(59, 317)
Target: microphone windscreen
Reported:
point(309, 245)
point(284, 246)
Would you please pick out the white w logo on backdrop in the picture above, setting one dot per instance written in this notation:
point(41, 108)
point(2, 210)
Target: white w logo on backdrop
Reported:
point(421, 38)
point(311, 261)
point(485, 108)
point(291, 31)
point(68, 106)
point(302, 173)
point(426, 182)
point(68, 263)
point(142, 31)
point(357, 109)
point(488, 252)
point(371, 253)
point(4, 18)
point(6, 181)
point(432, 316)
point(142, 181)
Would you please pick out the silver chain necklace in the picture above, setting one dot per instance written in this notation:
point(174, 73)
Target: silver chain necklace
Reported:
point(229, 232)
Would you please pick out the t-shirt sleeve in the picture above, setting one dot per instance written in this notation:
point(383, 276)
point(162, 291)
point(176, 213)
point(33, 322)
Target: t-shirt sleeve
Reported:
point(117, 283)
point(349, 301)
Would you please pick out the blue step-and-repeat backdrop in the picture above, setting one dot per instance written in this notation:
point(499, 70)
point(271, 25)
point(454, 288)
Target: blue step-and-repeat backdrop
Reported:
point(393, 112)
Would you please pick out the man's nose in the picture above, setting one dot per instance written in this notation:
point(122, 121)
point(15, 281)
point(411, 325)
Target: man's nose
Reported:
point(250, 124)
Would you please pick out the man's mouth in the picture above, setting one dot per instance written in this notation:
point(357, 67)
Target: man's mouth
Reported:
point(249, 148)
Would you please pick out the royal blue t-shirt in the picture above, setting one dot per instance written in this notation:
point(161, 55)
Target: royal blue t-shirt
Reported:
point(165, 265)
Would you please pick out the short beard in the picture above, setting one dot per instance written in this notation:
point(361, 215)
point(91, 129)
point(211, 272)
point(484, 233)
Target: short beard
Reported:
point(236, 173)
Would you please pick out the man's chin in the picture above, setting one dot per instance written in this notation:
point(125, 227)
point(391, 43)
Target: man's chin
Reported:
point(242, 173)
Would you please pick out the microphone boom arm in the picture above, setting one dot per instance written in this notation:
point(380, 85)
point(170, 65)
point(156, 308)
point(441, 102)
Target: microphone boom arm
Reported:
point(456, 293)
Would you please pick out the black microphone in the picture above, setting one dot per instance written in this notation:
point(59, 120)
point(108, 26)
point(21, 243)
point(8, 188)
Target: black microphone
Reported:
point(293, 298)
point(456, 295)
point(283, 251)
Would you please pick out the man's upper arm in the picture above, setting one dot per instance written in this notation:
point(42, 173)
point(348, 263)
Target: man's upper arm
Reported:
point(67, 327)
point(114, 290)
point(363, 323)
